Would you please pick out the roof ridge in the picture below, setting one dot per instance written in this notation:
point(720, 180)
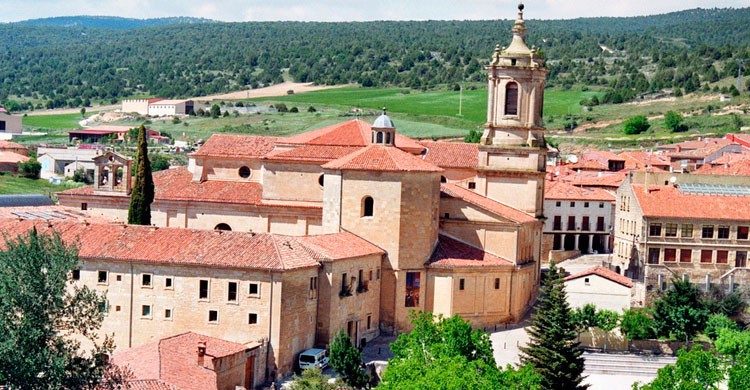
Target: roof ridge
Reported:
point(487, 198)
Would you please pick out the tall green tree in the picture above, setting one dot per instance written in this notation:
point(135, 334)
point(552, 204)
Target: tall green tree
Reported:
point(694, 370)
point(142, 195)
point(680, 312)
point(346, 359)
point(41, 315)
point(553, 349)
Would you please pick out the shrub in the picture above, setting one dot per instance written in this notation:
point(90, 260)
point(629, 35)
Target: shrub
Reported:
point(30, 169)
point(716, 323)
point(637, 324)
point(311, 109)
point(294, 109)
point(636, 125)
point(673, 121)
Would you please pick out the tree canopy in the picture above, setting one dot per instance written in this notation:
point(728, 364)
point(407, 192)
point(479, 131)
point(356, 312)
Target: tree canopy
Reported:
point(142, 194)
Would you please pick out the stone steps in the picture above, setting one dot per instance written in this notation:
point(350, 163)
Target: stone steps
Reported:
point(625, 364)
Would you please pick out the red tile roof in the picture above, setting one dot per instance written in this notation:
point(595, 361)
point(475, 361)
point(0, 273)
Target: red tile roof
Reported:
point(588, 165)
point(237, 146)
point(594, 179)
point(312, 153)
point(382, 158)
point(602, 156)
point(670, 202)
point(54, 213)
point(351, 133)
point(12, 158)
point(172, 362)
point(10, 145)
point(451, 253)
point(696, 144)
point(495, 207)
point(337, 246)
point(606, 273)
point(452, 154)
point(560, 190)
point(736, 168)
point(177, 246)
point(637, 160)
point(729, 158)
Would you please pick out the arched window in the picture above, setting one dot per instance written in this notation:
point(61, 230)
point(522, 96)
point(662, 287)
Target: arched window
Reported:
point(443, 179)
point(511, 99)
point(387, 138)
point(368, 204)
point(321, 180)
point(223, 226)
point(380, 137)
point(245, 172)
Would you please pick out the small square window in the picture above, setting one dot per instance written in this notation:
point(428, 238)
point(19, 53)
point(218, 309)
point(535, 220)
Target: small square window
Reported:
point(472, 185)
point(585, 204)
point(168, 282)
point(558, 204)
point(84, 206)
point(102, 277)
point(118, 308)
point(461, 284)
point(252, 318)
point(146, 311)
point(118, 278)
point(167, 314)
point(253, 289)
point(572, 204)
point(601, 205)
point(587, 282)
point(76, 275)
point(447, 216)
point(146, 280)
point(213, 316)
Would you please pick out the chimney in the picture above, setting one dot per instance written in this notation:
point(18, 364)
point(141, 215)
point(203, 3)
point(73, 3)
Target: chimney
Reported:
point(201, 352)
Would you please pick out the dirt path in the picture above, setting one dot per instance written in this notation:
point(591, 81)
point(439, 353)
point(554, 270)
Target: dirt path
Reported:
point(273, 90)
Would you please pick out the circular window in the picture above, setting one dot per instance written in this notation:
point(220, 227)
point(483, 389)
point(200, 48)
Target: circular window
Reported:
point(245, 172)
point(321, 180)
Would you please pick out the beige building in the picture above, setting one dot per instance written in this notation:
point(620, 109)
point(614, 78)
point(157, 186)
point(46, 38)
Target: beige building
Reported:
point(600, 287)
point(457, 227)
point(170, 107)
point(139, 106)
point(9, 124)
point(693, 227)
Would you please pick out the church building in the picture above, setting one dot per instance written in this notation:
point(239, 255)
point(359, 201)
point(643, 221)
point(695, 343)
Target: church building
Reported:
point(456, 228)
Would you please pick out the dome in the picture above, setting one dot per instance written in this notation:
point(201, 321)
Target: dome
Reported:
point(383, 122)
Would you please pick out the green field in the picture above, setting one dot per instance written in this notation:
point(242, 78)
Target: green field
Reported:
point(58, 121)
point(19, 185)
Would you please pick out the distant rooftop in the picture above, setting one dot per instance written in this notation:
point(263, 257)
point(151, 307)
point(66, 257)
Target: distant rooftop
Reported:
point(714, 189)
point(25, 200)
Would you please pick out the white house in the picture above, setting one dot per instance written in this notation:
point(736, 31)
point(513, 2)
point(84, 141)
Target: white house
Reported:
point(601, 287)
point(55, 161)
point(170, 107)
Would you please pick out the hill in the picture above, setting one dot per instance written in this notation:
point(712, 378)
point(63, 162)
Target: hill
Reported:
point(622, 57)
point(110, 22)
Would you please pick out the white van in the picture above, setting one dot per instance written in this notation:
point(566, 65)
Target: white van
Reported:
point(314, 357)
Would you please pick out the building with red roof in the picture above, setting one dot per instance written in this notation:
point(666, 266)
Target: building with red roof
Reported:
point(601, 287)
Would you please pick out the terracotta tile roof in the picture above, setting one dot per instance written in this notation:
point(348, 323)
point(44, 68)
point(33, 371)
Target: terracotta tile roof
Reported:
point(729, 158)
point(606, 273)
point(239, 146)
point(177, 246)
point(172, 362)
point(742, 139)
point(602, 156)
point(12, 158)
point(451, 253)
point(10, 145)
point(670, 202)
point(337, 246)
point(696, 144)
point(736, 168)
point(54, 213)
point(351, 133)
point(312, 153)
point(561, 190)
point(382, 158)
point(636, 160)
point(452, 154)
point(594, 179)
point(589, 165)
point(495, 207)
point(709, 148)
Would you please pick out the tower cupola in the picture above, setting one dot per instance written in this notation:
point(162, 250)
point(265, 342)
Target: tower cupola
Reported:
point(383, 130)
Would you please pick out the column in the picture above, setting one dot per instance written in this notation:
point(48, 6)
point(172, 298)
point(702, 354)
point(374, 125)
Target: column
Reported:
point(111, 178)
point(491, 98)
point(606, 243)
point(591, 243)
point(577, 237)
point(562, 241)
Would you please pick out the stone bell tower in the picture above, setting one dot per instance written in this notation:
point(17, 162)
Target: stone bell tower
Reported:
point(512, 151)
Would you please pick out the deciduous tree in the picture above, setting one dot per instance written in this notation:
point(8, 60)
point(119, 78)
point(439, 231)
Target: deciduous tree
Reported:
point(680, 312)
point(346, 359)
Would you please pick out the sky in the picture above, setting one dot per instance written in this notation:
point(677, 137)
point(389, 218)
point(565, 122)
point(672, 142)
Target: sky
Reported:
point(348, 10)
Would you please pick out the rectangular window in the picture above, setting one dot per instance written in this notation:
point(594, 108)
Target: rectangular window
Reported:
point(345, 287)
point(461, 284)
point(653, 255)
point(203, 289)
point(167, 314)
point(571, 223)
point(722, 257)
point(557, 224)
point(313, 287)
point(687, 230)
point(252, 318)
point(104, 308)
point(168, 282)
point(572, 204)
point(706, 256)
point(601, 205)
point(146, 280)
point(599, 224)
point(587, 281)
point(558, 204)
point(102, 277)
point(369, 276)
point(670, 230)
point(686, 255)
point(76, 274)
point(472, 185)
point(369, 322)
point(742, 232)
point(497, 283)
point(84, 206)
point(654, 229)
point(723, 232)
point(412, 289)
point(585, 224)
point(670, 255)
point(740, 259)
point(586, 204)
point(362, 285)
point(146, 311)
point(377, 274)
point(708, 231)
point(213, 316)
point(253, 289)
point(232, 292)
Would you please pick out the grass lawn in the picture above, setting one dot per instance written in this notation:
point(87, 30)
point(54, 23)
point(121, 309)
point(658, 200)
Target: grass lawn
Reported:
point(10, 184)
point(58, 121)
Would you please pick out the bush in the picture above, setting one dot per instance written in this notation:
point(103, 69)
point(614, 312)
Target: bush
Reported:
point(311, 109)
point(636, 125)
point(79, 176)
point(281, 107)
point(30, 169)
point(716, 323)
point(176, 120)
point(294, 109)
point(673, 121)
point(637, 324)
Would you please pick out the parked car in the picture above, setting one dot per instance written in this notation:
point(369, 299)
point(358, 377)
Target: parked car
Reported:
point(314, 357)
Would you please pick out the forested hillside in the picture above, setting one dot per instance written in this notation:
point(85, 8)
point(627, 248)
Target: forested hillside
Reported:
point(72, 66)
point(110, 22)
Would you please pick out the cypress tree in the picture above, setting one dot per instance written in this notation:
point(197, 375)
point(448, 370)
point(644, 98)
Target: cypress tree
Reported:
point(142, 195)
point(552, 349)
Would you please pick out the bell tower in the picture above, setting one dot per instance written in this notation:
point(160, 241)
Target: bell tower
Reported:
point(512, 151)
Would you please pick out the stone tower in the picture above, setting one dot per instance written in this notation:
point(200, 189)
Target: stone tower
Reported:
point(512, 151)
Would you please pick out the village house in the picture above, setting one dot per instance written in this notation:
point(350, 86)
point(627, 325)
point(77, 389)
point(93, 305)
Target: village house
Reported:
point(601, 287)
point(103, 134)
point(59, 162)
point(11, 154)
point(9, 124)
